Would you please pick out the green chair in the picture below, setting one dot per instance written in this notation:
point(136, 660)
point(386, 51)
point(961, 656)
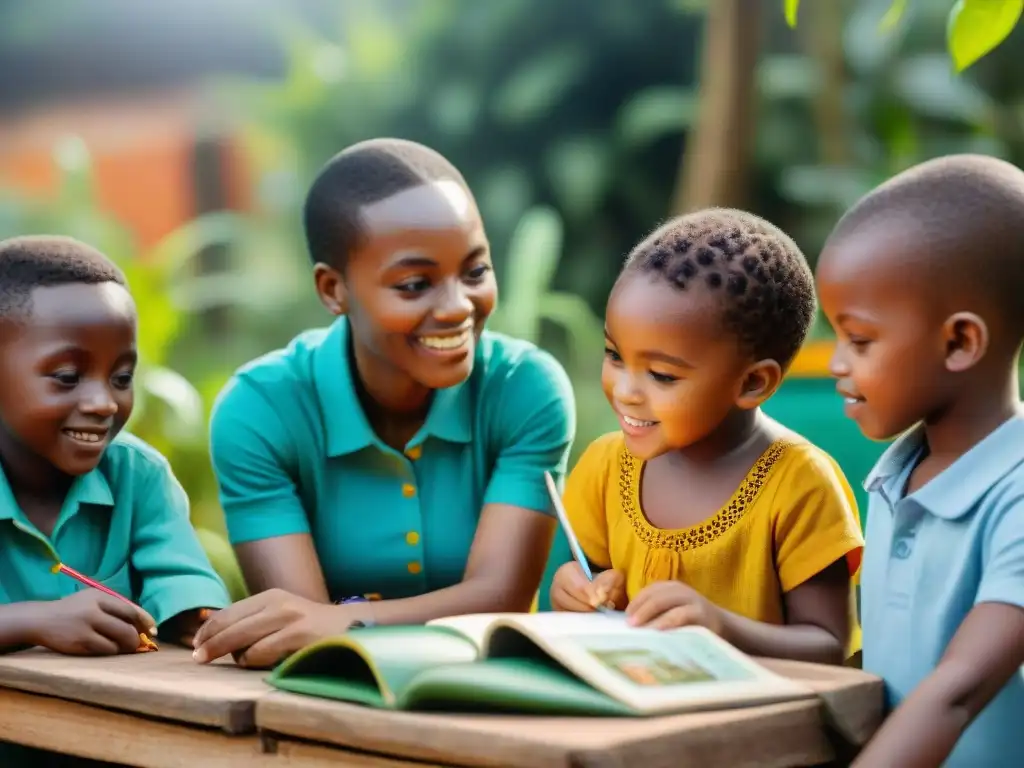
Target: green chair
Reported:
point(811, 407)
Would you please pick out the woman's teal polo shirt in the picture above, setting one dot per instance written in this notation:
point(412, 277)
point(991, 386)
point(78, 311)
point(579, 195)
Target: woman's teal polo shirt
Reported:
point(294, 453)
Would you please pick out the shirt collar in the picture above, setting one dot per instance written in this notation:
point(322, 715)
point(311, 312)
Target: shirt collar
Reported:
point(90, 488)
point(956, 490)
point(348, 431)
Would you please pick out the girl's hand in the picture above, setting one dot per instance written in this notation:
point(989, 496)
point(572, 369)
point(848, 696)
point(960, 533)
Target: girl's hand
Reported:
point(671, 604)
point(263, 629)
point(571, 591)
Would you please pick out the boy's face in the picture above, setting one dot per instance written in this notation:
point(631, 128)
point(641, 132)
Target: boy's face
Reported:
point(420, 287)
point(66, 374)
point(670, 372)
point(889, 360)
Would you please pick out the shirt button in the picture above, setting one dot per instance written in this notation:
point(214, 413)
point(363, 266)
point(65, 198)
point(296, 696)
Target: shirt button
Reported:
point(414, 452)
point(408, 490)
point(902, 549)
point(412, 538)
point(415, 567)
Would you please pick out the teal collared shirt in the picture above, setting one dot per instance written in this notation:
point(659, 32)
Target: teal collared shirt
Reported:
point(294, 453)
point(125, 524)
point(929, 558)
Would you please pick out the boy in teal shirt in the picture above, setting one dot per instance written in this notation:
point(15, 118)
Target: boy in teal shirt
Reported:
point(72, 489)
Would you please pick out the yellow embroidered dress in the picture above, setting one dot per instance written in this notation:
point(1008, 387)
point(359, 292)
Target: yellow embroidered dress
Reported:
point(792, 516)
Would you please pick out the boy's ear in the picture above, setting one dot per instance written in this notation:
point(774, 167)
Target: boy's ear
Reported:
point(759, 383)
point(330, 287)
point(966, 337)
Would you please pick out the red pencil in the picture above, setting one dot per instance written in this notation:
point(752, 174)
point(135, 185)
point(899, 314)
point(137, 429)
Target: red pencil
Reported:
point(145, 643)
point(68, 571)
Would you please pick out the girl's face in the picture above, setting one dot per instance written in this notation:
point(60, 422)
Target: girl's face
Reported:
point(670, 372)
point(417, 290)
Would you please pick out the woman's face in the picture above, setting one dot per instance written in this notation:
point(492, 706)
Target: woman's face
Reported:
point(418, 289)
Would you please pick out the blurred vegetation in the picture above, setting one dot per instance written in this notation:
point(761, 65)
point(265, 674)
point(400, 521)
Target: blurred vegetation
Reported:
point(973, 28)
point(572, 123)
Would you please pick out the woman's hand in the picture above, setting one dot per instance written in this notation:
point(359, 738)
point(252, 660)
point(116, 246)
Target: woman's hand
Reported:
point(571, 591)
point(671, 604)
point(263, 629)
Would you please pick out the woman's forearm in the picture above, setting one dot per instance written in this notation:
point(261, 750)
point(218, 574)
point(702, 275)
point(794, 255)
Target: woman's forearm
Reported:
point(477, 595)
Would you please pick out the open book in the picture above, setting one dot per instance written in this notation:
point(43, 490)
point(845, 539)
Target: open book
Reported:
point(539, 663)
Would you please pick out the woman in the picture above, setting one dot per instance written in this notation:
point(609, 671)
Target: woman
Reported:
point(394, 461)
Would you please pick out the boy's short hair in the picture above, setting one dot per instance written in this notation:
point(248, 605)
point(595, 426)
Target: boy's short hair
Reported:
point(361, 175)
point(968, 213)
point(763, 278)
point(43, 261)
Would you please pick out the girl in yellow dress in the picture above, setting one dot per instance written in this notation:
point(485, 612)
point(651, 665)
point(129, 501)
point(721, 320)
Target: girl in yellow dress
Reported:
point(702, 510)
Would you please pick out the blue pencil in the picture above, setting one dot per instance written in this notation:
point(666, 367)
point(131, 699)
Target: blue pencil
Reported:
point(574, 543)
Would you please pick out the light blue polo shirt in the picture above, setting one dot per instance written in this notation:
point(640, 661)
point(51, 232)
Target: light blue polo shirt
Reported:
point(294, 453)
point(125, 524)
point(929, 558)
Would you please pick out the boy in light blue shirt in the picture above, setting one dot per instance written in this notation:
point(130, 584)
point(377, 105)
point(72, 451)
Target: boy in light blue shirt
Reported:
point(73, 490)
point(923, 281)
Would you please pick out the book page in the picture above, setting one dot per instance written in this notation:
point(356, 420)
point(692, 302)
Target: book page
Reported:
point(649, 670)
point(473, 625)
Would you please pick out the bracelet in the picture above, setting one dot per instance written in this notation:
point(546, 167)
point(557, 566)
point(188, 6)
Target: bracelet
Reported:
point(364, 622)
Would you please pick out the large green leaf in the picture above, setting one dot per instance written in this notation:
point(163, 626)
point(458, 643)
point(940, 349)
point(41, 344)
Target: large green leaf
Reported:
point(894, 14)
point(182, 410)
point(976, 27)
point(654, 112)
point(533, 257)
point(539, 83)
point(792, 6)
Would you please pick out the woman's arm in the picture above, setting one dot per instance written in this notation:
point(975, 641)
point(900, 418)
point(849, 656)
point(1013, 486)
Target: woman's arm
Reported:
point(287, 562)
point(504, 571)
point(251, 449)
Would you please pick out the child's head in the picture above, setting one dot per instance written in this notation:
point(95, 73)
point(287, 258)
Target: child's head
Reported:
point(923, 281)
point(707, 314)
point(398, 246)
point(67, 354)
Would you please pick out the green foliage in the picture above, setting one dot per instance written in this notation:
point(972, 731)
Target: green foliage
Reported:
point(528, 302)
point(974, 27)
point(791, 7)
point(529, 99)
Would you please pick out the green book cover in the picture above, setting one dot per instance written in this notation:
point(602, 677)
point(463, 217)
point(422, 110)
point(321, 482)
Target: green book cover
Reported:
point(546, 663)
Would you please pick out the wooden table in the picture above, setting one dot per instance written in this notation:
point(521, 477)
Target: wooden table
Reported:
point(161, 710)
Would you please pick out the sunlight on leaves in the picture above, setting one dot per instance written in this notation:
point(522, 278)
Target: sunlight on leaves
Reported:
point(539, 83)
point(894, 14)
point(655, 112)
point(791, 8)
point(976, 27)
point(185, 415)
point(533, 256)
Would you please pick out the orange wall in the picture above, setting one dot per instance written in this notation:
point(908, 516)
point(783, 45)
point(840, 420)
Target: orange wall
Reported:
point(141, 150)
